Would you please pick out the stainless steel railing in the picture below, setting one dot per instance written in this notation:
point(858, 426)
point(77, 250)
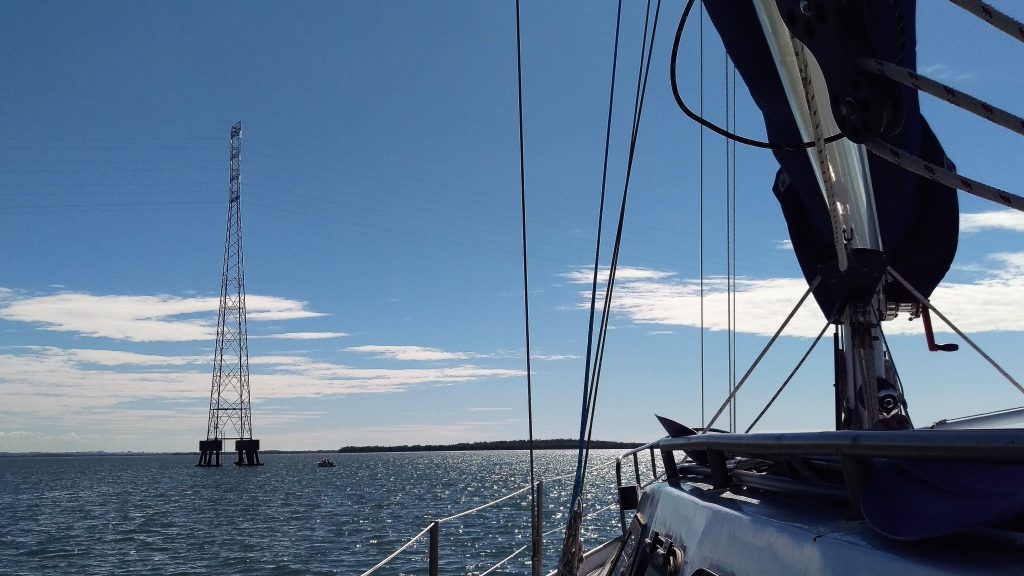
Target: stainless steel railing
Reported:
point(432, 531)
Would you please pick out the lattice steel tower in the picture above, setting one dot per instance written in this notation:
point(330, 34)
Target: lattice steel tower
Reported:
point(230, 414)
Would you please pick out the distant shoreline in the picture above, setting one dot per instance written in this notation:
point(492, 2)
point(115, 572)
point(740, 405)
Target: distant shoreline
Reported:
point(557, 444)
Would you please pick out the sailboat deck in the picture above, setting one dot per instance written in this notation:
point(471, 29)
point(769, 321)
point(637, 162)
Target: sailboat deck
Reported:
point(994, 446)
point(739, 532)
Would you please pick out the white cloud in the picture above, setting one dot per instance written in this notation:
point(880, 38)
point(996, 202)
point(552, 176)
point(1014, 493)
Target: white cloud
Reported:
point(762, 304)
point(121, 358)
point(623, 274)
point(47, 379)
point(159, 318)
point(984, 305)
point(306, 335)
point(411, 353)
point(1012, 220)
point(943, 73)
point(121, 396)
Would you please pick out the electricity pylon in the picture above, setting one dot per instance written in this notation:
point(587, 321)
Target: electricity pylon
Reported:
point(230, 415)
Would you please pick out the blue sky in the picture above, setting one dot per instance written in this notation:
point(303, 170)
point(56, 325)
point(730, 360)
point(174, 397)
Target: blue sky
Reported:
point(380, 200)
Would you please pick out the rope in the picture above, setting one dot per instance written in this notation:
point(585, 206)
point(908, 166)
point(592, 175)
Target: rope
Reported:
point(712, 126)
point(838, 236)
point(501, 563)
point(977, 349)
point(396, 552)
point(760, 356)
point(945, 92)
point(591, 515)
point(526, 275)
point(488, 505)
point(572, 545)
point(993, 17)
point(941, 175)
point(477, 509)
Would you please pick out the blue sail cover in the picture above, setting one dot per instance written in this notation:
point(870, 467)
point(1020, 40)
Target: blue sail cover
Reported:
point(918, 218)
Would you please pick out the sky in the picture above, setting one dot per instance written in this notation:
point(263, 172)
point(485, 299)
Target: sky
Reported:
point(382, 234)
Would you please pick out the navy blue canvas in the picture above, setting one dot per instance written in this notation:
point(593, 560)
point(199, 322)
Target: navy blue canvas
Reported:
point(918, 218)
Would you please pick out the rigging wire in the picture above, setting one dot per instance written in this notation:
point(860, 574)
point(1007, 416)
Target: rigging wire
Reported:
point(728, 253)
point(710, 125)
point(703, 418)
point(572, 546)
point(571, 553)
point(788, 378)
point(526, 277)
point(597, 260)
point(642, 78)
point(732, 376)
point(924, 302)
point(771, 342)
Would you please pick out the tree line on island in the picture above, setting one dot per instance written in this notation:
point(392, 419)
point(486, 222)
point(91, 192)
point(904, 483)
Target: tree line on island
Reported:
point(556, 444)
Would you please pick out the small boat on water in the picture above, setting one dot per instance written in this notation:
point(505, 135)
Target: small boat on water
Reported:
point(326, 463)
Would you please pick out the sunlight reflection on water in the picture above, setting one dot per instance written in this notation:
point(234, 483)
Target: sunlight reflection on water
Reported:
point(159, 514)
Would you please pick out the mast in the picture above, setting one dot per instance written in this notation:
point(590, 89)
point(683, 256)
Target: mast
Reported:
point(844, 178)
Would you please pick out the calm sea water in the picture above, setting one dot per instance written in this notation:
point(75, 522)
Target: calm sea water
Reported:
point(161, 515)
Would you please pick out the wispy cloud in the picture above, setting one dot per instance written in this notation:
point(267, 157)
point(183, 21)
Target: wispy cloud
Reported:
point(412, 353)
point(121, 358)
point(762, 304)
point(159, 318)
point(944, 73)
point(87, 383)
point(307, 335)
point(625, 274)
point(553, 357)
point(1011, 220)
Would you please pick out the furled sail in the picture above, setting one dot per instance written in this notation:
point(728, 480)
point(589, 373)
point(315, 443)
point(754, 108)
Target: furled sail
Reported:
point(918, 219)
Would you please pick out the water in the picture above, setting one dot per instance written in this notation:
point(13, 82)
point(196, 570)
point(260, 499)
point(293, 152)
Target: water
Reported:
point(159, 514)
